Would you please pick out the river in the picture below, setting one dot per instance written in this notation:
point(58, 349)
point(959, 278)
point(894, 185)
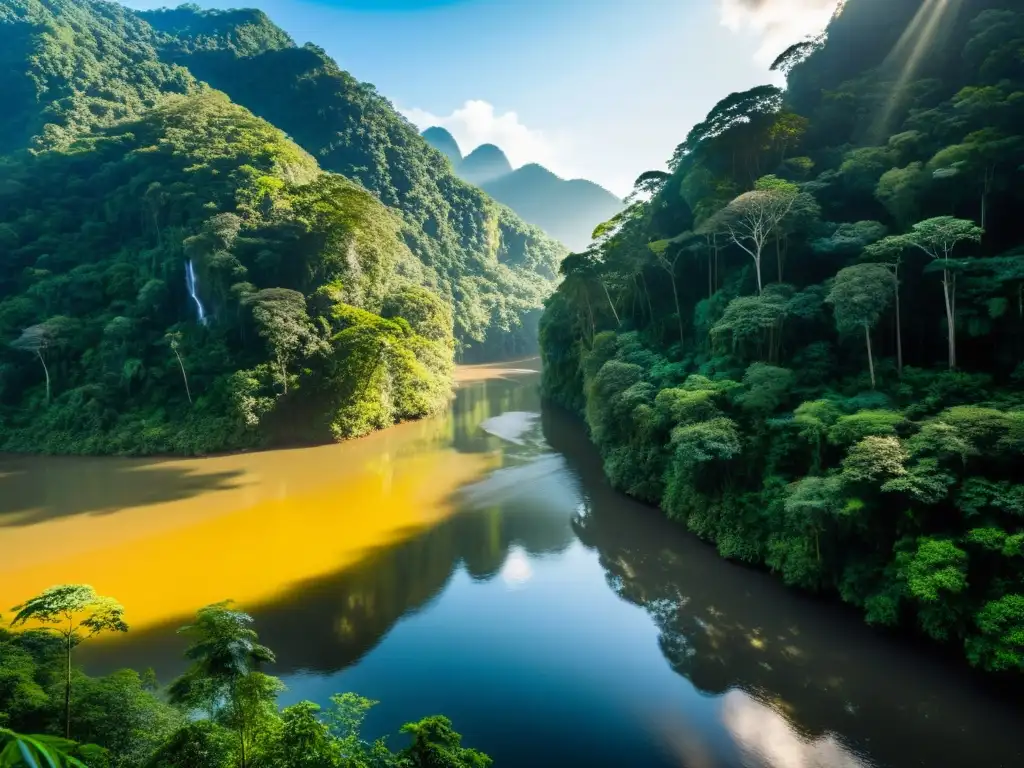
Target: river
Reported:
point(477, 564)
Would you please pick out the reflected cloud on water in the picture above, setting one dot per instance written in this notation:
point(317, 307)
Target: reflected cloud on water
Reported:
point(768, 739)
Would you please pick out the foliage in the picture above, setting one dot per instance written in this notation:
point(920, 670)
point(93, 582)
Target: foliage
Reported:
point(166, 251)
point(34, 751)
point(128, 723)
point(870, 454)
point(494, 269)
point(71, 611)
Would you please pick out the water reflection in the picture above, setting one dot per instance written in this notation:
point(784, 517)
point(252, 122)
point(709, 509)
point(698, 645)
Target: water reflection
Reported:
point(799, 682)
point(520, 595)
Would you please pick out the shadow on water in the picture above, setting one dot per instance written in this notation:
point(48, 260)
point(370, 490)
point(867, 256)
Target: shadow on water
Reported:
point(72, 486)
point(781, 680)
point(329, 623)
point(812, 663)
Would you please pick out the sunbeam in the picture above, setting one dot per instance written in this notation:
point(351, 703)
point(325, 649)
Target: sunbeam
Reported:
point(925, 31)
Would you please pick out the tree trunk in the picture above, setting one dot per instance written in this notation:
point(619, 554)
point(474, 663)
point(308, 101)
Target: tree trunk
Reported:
point(67, 686)
point(590, 311)
point(240, 714)
point(610, 303)
point(985, 190)
point(284, 375)
point(899, 329)
point(187, 391)
point(47, 372)
point(950, 318)
point(711, 291)
point(716, 263)
point(871, 359)
point(647, 294)
point(679, 313)
point(778, 257)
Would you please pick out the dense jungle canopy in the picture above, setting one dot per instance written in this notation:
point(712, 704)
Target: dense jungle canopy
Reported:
point(805, 340)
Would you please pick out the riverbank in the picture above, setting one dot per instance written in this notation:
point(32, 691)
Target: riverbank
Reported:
point(899, 501)
point(285, 437)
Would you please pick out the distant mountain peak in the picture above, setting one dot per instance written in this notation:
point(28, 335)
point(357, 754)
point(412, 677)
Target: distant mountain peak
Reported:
point(568, 210)
point(485, 163)
point(443, 141)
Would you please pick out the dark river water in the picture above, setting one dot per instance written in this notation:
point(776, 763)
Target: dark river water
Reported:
point(478, 565)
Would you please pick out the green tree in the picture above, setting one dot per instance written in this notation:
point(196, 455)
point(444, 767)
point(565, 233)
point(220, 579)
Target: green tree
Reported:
point(224, 679)
point(1000, 644)
point(39, 338)
point(281, 318)
point(74, 610)
point(303, 741)
point(939, 238)
point(977, 159)
point(859, 296)
point(201, 744)
point(436, 744)
point(121, 712)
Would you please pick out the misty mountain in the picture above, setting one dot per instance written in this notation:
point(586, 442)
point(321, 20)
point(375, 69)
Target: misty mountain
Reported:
point(567, 209)
point(485, 163)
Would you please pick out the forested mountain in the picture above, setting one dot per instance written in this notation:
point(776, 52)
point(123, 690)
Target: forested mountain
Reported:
point(178, 275)
point(445, 143)
point(568, 210)
point(805, 341)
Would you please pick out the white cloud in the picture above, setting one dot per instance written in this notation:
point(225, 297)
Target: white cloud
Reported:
point(766, 734)
point(477, 122)
point(778, 23)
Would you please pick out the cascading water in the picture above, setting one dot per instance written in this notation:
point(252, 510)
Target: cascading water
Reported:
point(190, 283)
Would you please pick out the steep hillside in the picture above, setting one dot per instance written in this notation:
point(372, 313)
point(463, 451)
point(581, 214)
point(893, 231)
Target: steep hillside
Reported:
point(178, 275)
point(568, 210)
point(69, 65)
point(807, 345)
point(493, 267)
point(190, 281)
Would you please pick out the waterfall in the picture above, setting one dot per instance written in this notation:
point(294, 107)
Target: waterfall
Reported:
point(190, 283)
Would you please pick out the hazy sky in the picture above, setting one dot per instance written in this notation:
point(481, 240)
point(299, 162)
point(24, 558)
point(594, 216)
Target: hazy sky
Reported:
point(599, 89)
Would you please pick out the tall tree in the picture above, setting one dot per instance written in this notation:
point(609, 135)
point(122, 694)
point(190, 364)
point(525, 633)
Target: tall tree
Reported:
point(859, 296)
point(37, 339)
point(224, 680)
point(73, 610)
point(661, 250)
point(976, 161)
point(282, 321)
point(174, 342)
point(939, 238)
point(753, 218)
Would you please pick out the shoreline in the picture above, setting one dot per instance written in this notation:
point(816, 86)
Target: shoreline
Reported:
point(463, 374)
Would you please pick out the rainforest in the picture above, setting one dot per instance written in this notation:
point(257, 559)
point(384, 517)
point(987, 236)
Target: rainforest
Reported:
point(180, 276)
point(804, 341)
point(292, 407)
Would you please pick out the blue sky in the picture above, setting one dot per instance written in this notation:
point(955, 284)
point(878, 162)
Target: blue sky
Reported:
point(599, 89)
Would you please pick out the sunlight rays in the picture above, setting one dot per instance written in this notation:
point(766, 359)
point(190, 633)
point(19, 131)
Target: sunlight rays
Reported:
point(925, 31)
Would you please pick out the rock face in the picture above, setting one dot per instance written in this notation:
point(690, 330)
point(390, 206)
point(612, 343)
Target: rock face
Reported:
point(568, 210)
